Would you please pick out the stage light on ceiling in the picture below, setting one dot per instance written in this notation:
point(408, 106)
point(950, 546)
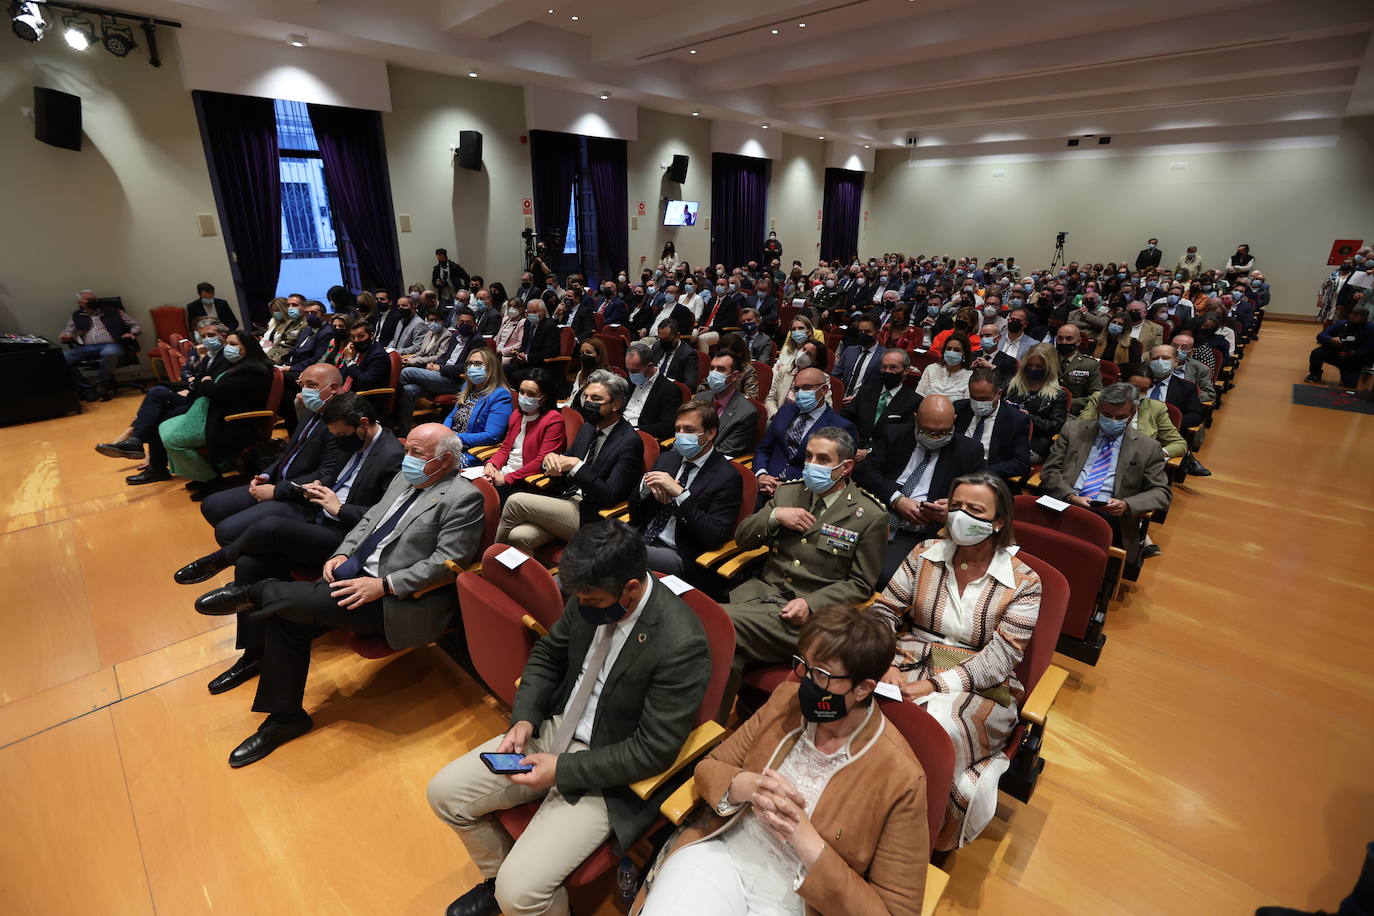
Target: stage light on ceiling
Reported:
point(27, 21)
point(298, 40)
point(78, 32)
point(119, 39)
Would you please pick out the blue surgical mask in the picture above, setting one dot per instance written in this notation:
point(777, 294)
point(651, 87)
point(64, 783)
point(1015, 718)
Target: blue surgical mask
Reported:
point(817, 477)
point(1161, 367)
point(983, 408)
point(806, 401)
point(933, 311)
point(798, 337)
point(293, 312)
point(1110, 427)
point(1114, 330)
point(310, 397)
point(720, 291)
point(687, 444)
point(413, 469)
point(1173, 300)
point(988, 343)
point(436, 326)
point(212, 343)
point(638, 378)
point(953, 358)
point(232, 353)
point(528, 404)
point(477, 374)
point(688, 288)
point(715, 380)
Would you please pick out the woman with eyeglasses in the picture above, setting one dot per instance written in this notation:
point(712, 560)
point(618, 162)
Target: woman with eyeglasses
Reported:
point(963, 608)
point(816, 805)
point(482, 412)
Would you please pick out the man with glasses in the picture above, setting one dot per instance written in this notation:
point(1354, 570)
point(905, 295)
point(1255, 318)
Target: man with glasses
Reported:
point(911, 468)
point(783, 450)
point(826, 540)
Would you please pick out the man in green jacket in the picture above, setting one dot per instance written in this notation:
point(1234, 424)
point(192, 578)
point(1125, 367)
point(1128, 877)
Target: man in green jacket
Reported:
point(606, 699)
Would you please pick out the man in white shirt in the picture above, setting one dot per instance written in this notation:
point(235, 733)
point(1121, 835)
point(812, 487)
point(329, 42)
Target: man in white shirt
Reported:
point(607, 698)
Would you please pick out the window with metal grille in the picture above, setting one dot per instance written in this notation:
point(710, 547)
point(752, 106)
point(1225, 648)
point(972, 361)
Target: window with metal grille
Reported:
point(313, 258)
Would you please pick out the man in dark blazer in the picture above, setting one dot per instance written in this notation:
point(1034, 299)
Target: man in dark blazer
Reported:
point(783, 450)
point(910, 471)
point(880, 404)
point(669, 309)
point(654, 400)
point(1001, 431)
point(610, 306)
point(309, 455)
point(577, 312)
point(857, 365)
point(205, 304)
point(1131, 479)
point(371, 366)
point(764, 300)
point(1149, 255)
point(277, 546)
point(447, 276)
point(541, 343)
point(1169, 387)
point(387, 578)
point(310, 344)
point(738, 418)
point(676, 358)
point(723, 311)
point(600, 469)
point(688, 503)
point(646, 650)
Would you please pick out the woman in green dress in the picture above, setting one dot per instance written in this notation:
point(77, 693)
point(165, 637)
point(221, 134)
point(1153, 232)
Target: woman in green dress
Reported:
point(242, 387)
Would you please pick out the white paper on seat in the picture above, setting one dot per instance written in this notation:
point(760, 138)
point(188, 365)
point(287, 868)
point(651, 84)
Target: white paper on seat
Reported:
point(512, 557)
point(471, 473)
point(799, 303)
point(891, 691)
point(675, 585)
point(1054, 505)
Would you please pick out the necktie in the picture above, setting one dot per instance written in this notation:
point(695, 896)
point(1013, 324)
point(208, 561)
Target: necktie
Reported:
point(883, 400)
point(577, 703)
point(854, 373)
point(978, 430)
point(895, 521)
point(1157, 391)
point(1101, 468)
point(295, 448)
point(353, 566)
point(665, 512)
point(795, 434)
point(594, 449)
point(349, 472)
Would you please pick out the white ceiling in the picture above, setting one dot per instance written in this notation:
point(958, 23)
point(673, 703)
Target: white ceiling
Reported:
point(963, 78)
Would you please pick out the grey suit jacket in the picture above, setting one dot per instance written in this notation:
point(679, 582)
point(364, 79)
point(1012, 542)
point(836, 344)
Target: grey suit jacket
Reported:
point(1201, 376)
point(1142, 479)
point(445, 523)
point(738, 427)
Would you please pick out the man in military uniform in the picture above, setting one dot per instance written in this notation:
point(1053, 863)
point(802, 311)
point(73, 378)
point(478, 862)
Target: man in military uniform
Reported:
point(1079, 373)
point(829, 297)
point(825, 537)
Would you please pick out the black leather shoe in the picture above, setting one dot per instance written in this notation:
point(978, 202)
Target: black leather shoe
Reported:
point(125, 448)
point(1150, 552)
point(148, 476)
point(229, 599)
point(272, 734)
point(1194, 468)
point(480, 901)
point(207, 567)
point(245, 669)
point(107, 392)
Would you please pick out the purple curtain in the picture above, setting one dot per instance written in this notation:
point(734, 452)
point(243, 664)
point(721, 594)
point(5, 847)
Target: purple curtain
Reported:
point(739, 208)
point(359, 183)
point(239, 133)
point(553, 163)
point(607, 167)
point(844, 192)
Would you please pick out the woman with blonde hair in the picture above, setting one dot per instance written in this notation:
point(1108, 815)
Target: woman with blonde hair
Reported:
point(482, 412)
point(288, 320)
point(1035, 389)
point(784, 368)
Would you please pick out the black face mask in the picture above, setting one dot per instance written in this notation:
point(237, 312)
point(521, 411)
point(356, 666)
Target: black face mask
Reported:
point(891, 379)
point(961, 325)
point(866, 341)
point(819, 705)
point(313, 320)
point(348, 444)
point(667, 345)
point(466, 330)
point(590, 412)
point(588, 362)
point(341, 335)
point(1066, 349)
point(1015, 325)
point(1134, 317)
point(600, 616)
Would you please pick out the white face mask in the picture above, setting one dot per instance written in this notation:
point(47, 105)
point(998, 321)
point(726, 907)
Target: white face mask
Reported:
point(967, 530)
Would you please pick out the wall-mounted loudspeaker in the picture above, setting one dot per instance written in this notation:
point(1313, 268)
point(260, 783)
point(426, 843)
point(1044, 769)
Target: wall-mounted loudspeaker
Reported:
point(470, 150)
point(57, 118)
point(677, 172)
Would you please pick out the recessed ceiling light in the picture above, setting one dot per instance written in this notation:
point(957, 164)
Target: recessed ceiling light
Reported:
point(693, 51)
point(774, 31)
point(472, 73)
point(801, 25)
point(605, 95)
point(696, 112)
point(574, 19)
point(298, 40)
point(550, 12)
point(865, 146)
point(820, 138)
point(764, 125)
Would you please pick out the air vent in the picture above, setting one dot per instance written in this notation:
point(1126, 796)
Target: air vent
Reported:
point(1073, 142)
point(1103, 141)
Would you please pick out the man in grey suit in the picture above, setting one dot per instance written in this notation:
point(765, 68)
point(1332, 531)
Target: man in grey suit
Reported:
point(386, 578)
point(607, 698)
point(1107, 466)
point(739, 423)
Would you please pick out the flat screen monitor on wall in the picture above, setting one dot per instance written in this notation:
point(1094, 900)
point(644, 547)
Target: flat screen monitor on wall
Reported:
point(681, 213)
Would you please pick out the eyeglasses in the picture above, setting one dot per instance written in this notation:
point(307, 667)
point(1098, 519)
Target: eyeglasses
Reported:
point(819, 676)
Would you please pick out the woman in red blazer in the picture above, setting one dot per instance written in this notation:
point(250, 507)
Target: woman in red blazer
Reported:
point(536, 429)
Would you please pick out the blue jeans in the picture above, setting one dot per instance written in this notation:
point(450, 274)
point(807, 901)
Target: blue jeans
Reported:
point(109, 355)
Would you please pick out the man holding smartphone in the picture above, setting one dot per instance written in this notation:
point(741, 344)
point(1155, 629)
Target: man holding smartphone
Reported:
point(606, 699)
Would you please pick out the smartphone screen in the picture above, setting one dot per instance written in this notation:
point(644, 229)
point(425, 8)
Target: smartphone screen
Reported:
point(505, 764)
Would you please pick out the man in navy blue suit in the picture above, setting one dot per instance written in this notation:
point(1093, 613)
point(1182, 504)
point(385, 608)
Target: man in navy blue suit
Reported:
point(858, 364)
point(783, 450)
point(610, 306)
point(1001, 431)
point(371, 366)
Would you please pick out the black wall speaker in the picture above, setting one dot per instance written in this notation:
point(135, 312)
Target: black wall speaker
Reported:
point(470, 149)
point(57, 118)
point(677, 172)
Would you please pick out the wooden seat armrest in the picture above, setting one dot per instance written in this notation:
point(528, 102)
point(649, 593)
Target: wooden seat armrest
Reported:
point(534, 625)
point(432, 588)
point(731, 567)
point(614, 510)
point(1038, 704)
point(704, 737)
point(1118, 553)
point(251, 415)
point(375, 391)
point(558, 359)
point(677, 806)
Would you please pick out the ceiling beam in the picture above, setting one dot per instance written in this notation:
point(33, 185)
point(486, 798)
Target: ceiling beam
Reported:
point(704, 20)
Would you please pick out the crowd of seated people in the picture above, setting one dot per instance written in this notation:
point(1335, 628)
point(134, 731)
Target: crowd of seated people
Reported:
point(877, 416)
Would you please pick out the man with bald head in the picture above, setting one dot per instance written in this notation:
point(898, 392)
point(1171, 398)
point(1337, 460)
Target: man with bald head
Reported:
point(386, 578)
point(309, 455)
point(1192, 368)
point(782, 452)
point(1079, 374)
point(910, 471)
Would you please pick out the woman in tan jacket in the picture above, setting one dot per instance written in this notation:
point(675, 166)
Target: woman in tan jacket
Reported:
point(816, 806)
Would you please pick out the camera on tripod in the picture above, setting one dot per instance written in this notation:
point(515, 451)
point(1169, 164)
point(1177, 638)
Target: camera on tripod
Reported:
point(1059, 239)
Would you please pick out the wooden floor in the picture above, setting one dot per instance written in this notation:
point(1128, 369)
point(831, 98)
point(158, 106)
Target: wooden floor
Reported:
point(1209, 764)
